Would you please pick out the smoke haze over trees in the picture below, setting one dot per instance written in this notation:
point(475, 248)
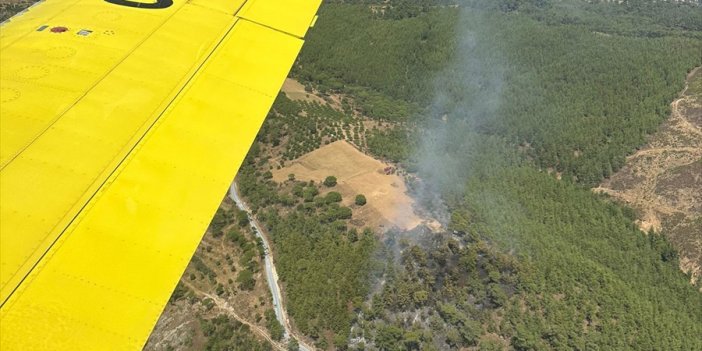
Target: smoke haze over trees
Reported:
point(503, 113)
point(486, 100)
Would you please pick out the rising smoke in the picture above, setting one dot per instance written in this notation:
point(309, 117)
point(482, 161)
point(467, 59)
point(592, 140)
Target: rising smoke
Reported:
point(466, 96)
point(453, 134)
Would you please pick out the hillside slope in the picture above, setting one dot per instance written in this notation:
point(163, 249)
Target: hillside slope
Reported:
point(663, 180)
point(502, 114)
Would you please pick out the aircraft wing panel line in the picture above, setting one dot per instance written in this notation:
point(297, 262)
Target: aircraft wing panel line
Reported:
point(113, 173)
point(230, 7)
point(294, 19)
point(86, 91)
point(40, 173)
point(105, 281)
point(30, 27)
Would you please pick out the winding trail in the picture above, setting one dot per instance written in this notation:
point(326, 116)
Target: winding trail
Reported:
point(224, 306)
point(271, 273)
point(659, 150)
point(648, 182)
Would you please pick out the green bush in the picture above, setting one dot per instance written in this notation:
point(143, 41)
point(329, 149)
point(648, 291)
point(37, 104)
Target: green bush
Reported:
point(333, 196)
point(330, 181)
point(360, 200)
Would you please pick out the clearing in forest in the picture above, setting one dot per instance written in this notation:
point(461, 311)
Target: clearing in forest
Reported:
point(357, 173)
point(663, 180)
point(295, 91)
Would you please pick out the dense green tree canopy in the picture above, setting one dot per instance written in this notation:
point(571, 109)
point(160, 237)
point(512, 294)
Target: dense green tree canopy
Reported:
point(485, 102)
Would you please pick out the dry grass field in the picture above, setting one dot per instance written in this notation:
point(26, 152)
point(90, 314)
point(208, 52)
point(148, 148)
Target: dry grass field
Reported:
point(296, 91)
point(357, 173)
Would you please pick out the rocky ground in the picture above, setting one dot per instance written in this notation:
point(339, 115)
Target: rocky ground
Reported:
point(663, 180)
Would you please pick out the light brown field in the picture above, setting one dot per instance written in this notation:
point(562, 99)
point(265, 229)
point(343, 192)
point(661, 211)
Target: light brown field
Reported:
point(388, 203)
point(296, 91)
point(663, 180)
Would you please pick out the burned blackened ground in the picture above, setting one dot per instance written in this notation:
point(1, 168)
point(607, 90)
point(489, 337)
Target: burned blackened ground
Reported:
point(437, 290)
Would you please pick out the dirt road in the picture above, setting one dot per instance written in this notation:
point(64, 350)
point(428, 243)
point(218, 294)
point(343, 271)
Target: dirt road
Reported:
point(271, 273)
point(229, 310)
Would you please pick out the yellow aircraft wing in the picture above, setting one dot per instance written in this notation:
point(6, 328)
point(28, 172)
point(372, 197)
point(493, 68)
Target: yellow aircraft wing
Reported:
point(122, 125)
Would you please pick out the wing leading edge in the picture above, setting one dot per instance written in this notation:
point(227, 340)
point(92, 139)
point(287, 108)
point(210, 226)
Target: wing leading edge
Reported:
point(107, 192)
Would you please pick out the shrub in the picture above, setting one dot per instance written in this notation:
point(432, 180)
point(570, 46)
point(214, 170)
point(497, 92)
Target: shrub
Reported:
point(330, 181)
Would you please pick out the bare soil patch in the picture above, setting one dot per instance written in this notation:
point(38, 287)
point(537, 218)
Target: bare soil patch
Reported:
point(294, 90)
point(178, 328)
point(357, 173)
point(663, 180)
